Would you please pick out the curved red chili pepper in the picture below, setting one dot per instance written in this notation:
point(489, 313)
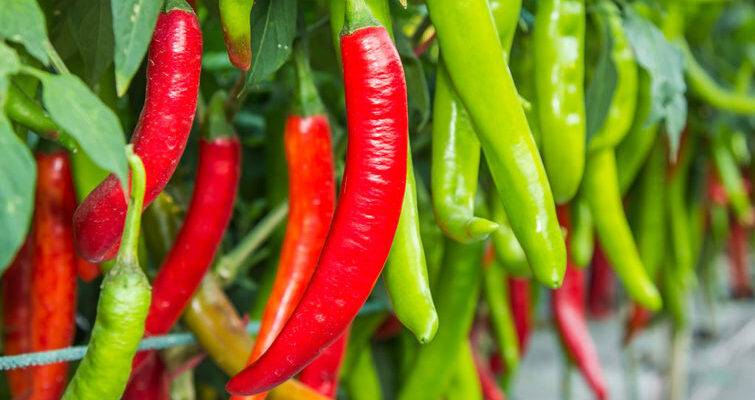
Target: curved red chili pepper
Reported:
point(322, 374)
point(311, 200)
point(16, 289)
point(206, 220)
point(739, 260)
point(602, 289)
point(53, 284)
point(173, 66)
point(365, 219)
point(568, 304)
point(519, 296)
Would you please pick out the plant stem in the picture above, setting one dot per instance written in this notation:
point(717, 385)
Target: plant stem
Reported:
point(228, 266)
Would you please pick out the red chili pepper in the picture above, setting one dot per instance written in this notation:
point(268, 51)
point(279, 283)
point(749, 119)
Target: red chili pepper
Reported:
point(519, 292)
point(311, 201)
point(568, 304)
point(638, 318)
point(368, 210)
point(739, 260)
point(602, 289)
point(322, 373)
point(53, 284)
point(206, 220)
point(86, 270)
point(150, 382)
point(488, 383)
point(173, 66)
point(16, 286)
point(389, 329)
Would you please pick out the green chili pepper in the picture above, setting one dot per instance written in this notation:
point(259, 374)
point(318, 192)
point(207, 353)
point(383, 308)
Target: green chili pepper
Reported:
point(22, 109)
point(632, 152)
point(624, 101)
point(727, 169)
point(455, 166)
point(522, 64)
point(432, 237)
point(674, 294)
point(559, 36)
point(405, 273)
point(507, 247)
point(459, 286)
point(237, 31)
point(647, 211)
point(161, 223)
point(464, 383)
point(582, 237)
point(362, 382)
point(121, 310)
point(601, 190)
point(677, 213)
point(469, 44)
point(496, 291)
point(506, 17)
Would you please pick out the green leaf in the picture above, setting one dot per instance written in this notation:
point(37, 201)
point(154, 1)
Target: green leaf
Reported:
point(416, 84)
point(18, 174)
point(273, 31)
point(9, 64)
point(83, 115)
point(664, 63)
point(91, 26)
point(22, 21)
point(133, 24)
point(600, 90)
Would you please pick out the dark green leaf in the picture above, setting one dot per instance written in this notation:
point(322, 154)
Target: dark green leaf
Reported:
point(18, 173)
point(22, 21)
point(133, 24)
point(91, 25)
point(273, 30)
point(664, 63)
point(416, 83)
point(600, 90)
point(83, 115)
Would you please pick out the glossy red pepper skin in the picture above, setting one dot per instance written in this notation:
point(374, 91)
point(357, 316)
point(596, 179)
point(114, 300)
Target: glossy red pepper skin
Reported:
point(53, 284)
point(602, 289)
point(16, 289)
point(568, 305)
point(519, 296)
point(739, 260)
point(365, 218)
point(151, 382)
point(173, 67)
point(206, 220)
point(322, 374)
point(86, 270)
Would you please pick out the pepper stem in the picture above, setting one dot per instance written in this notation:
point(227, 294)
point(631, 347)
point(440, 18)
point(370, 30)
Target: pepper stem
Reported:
point(182, 5)
point(306, 100)
point(128, 252)
point(216, 123)
point(357, 16)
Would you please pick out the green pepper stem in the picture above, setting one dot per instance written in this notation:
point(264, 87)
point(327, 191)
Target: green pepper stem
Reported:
point(306, 100)
point(216, 123)
point(358, 16)
point(128, 252)
point(228, 266)
point(709, 90)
